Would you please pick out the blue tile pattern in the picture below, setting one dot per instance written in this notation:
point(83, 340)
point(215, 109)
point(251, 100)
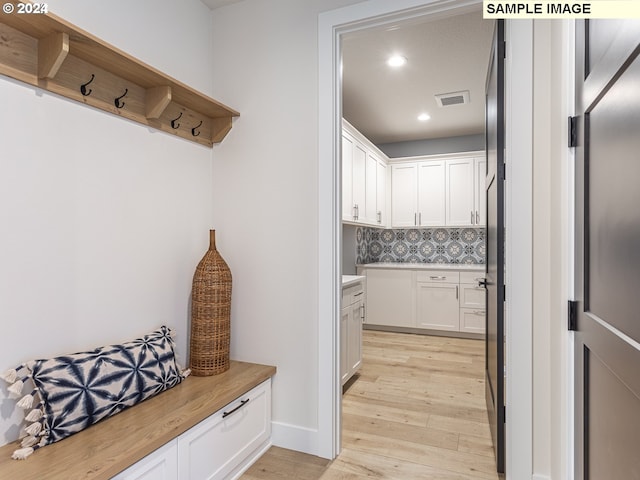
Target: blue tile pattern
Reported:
point(424, 245)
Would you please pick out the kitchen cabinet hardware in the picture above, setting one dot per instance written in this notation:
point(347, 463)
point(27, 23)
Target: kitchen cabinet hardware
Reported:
point(420, 218)
point(479, 312)
point(471, 217)
point(477, 218)
point(438, 277)
point(482, 282)
point(49, 53)
point(358, 294)
point(242, 404)
point(457, 292)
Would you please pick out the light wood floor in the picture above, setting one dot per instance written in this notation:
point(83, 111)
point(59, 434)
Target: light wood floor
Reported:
point(415, 411)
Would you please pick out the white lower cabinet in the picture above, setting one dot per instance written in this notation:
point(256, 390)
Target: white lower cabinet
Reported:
point(220, 447)
point(472, 320)
point(425, 299)
point(351, 320)
point(390, 297)
point(162, 464)
point(437, 306)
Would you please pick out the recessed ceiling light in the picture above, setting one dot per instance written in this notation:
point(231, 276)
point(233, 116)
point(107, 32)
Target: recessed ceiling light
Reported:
point(423, 117)
point(396, 61)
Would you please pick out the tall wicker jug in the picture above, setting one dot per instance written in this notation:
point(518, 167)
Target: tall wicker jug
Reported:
point(210, 314)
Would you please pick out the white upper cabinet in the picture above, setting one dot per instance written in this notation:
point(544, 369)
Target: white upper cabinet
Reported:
point(404, 195)
point(358, 182)
point(364, 170)
point(460, 192)
point(347, 177)
point(381, 193)
point(438, 192)
point(431, 194)
point(371, 186)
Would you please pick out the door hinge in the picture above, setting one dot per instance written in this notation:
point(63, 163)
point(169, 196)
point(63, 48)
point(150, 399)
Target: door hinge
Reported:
point(573, 315)
point(573, 132)
point(502, 50)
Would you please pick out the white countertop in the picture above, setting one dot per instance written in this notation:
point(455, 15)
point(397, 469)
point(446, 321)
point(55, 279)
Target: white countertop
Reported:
point(462, 267)
point(348, 280)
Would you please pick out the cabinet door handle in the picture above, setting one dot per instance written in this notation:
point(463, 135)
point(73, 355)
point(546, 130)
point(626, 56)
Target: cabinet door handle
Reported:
point(379, 214)
point(420, 218)
point(478, 312)
point(415, 219)
point(471, 217)
point(456, 292)
point(358, 294)
point(362, 312)
point(437, 277)
point(477, 218)
point(242, 404)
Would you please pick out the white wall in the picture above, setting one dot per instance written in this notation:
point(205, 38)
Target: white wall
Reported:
point(103, 220)
point(265, 196)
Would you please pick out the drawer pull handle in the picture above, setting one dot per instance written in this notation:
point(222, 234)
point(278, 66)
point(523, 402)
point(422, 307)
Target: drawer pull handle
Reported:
point(478, 312)
point(358, 294)
point(242, 404)
point(435, 277)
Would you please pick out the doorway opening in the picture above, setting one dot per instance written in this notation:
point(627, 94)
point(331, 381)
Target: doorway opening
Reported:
point(419, 119)
point(332, 26)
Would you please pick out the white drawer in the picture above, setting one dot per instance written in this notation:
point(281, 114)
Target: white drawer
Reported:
point(215, 447)
point(438, 276)
point(162, 464)
point(472, 296)
point(472, 320)
point(352, 294)
point(471, 277)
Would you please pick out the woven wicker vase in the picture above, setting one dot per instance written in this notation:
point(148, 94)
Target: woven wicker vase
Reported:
point(210, 314)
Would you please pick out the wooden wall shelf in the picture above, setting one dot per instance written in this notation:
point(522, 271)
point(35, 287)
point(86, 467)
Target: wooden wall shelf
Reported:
point(45, 51)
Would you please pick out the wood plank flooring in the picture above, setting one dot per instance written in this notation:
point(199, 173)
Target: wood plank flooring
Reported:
point(415, 411)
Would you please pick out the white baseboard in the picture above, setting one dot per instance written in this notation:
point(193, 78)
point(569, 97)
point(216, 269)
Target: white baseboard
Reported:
point(294, 437)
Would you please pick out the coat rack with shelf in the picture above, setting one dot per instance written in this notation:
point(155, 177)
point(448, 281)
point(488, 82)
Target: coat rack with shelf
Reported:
point(48, 52)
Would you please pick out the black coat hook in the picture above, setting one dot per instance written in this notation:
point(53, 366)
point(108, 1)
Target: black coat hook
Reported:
point(193, 130)
point(83, 88)
point(174, 123)
point(117, 101)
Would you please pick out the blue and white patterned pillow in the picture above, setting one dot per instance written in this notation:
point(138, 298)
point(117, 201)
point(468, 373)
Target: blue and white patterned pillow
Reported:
point(81, 389)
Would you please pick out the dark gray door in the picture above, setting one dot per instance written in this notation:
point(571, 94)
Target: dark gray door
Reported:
point(607, 348)
point(494, 363)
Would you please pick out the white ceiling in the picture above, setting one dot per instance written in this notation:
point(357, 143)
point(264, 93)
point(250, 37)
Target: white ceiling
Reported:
point(445, 55)
point(213, 4)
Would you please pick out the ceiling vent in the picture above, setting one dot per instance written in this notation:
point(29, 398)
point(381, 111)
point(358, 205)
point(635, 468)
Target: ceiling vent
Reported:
point(453, 98)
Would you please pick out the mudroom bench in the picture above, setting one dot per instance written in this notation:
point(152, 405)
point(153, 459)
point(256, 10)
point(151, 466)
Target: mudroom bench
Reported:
point(205, 427)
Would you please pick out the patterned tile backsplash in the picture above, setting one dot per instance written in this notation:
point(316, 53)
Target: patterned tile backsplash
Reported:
point(424, 245)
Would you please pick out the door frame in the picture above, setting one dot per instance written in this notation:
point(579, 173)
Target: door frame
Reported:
point(518, 211)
